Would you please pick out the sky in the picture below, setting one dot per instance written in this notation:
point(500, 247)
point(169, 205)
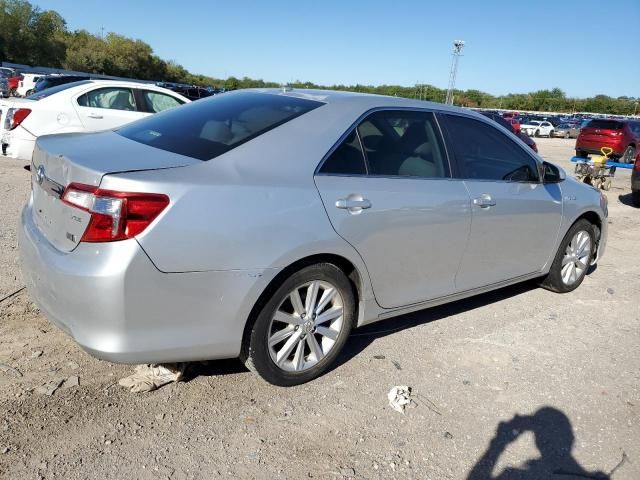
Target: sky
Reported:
point(585, 47)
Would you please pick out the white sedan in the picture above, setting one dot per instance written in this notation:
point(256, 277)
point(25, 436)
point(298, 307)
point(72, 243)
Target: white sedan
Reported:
point(536, 128)
point(84, 106)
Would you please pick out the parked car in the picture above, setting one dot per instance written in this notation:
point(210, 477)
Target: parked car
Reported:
point(54, 80)
point(13, 83)
point(566, 130)
point(4, 87)
point(635, 182)
point(266, 224)
point(192, 92)
point(27, 84)
point(537, 128)
point(84, 106)
point(511, 127)
point(622, 136)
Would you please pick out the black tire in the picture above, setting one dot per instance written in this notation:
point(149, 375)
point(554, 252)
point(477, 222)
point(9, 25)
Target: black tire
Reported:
point(536, 133)
point(581, 154)
point(566, 135)
point(635, 198)
point(553, 281)
point(29, 92)
point(629, 155)
point(255, 352)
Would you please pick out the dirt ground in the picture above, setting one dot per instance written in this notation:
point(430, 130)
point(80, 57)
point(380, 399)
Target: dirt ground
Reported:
point(513, 384)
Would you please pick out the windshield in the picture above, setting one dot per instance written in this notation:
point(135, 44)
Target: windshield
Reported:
point(50, 91)
point(212, 126)
point(605, 124)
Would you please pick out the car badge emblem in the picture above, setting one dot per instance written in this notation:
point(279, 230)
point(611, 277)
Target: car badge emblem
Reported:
point(40, 175)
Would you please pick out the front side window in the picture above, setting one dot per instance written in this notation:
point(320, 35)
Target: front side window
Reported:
point(485, 153)
point(403, 143)
point(212, 126)
point(346, 159)
point(158, 102)
point(114, 98)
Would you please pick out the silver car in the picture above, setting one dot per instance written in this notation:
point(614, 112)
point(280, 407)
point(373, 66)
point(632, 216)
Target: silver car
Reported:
point(267, 224)
point(566, 130)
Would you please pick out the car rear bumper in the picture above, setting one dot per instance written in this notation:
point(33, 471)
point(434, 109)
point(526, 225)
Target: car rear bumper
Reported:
point(594, 147)
point(119, 307)
point(20, 144)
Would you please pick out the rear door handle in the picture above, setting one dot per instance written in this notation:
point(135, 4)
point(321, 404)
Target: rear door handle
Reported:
point(94, 115)
point(353, 203)
point(484, 201)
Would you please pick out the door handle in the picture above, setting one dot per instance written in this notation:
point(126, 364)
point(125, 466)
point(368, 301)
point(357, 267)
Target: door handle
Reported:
point(353, 203)
point(94, 115)
point(484, 201)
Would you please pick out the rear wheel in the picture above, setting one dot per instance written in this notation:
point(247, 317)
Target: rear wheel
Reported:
point(573, 258)
point(299, 332)
point(537, 133)
point(629, 155)
point(29, 92)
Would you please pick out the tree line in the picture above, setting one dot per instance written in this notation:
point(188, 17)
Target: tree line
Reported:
point(31, 36)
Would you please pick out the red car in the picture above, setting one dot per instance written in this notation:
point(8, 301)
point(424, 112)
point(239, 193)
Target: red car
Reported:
point(13, 84)
point(622, 136)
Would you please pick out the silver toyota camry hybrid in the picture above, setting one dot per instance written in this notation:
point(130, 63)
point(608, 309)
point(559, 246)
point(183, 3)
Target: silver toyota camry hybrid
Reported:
point(267, 224)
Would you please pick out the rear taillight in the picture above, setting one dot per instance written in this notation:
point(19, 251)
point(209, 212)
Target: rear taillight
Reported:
point(15, 116)
point(114, 215)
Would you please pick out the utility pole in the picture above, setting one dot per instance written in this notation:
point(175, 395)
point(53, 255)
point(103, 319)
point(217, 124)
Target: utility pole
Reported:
point(457, 49)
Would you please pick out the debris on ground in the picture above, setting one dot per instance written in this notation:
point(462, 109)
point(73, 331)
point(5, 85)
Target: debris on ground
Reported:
point(150, 377)
point(50, 387)
point(399, 398)
point(9, 369)
point(72, 381)
point(36, 354)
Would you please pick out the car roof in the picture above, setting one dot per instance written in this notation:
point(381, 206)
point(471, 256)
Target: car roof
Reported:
point(365, 101)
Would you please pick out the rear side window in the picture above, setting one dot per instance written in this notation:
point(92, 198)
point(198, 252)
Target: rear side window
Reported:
point(485, 153)
point(347, 159)
point(50, 91)
point(605, 124)
point(114, 98)
point(210, 127)
point(403, 143)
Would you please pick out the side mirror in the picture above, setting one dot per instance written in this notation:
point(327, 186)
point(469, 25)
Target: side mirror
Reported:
point(552, 173)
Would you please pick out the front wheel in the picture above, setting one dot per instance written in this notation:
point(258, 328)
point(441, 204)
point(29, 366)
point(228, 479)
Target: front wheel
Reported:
point(572, 259)
point(629, 155)
point(299, 332)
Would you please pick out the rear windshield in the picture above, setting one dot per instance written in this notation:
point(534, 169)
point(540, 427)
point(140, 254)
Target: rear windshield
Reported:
point(59, 88)
point(605, 124)
point(210, 127)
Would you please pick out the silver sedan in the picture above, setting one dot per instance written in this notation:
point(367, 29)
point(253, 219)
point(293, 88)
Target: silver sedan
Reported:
point(267, 224)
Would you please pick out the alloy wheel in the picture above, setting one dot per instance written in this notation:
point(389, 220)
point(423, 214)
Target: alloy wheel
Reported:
point(576, 258)
point(305, 326)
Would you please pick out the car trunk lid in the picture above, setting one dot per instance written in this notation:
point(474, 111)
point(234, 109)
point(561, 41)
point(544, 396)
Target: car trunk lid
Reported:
point(59, 160)
point(602, 130)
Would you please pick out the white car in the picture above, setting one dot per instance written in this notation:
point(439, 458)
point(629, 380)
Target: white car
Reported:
point(84, 106)
point(25, 86)
point(536, 128)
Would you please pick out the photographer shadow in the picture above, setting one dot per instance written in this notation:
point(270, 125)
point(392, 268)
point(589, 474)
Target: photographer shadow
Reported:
point(554, 439)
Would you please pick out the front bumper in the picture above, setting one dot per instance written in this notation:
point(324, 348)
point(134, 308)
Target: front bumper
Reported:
point(119, 307)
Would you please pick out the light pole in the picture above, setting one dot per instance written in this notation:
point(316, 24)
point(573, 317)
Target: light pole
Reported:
point(457, 49)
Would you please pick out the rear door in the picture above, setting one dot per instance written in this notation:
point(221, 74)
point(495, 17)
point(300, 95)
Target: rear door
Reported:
point(515, 217)
point(388, 191)
point(103, 108)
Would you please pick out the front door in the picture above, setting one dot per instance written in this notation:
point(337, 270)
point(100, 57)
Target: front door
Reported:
point(388, 191)
point(515, 218)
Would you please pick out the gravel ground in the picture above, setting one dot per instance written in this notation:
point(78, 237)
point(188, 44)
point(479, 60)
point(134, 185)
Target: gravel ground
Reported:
point(521, 382)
